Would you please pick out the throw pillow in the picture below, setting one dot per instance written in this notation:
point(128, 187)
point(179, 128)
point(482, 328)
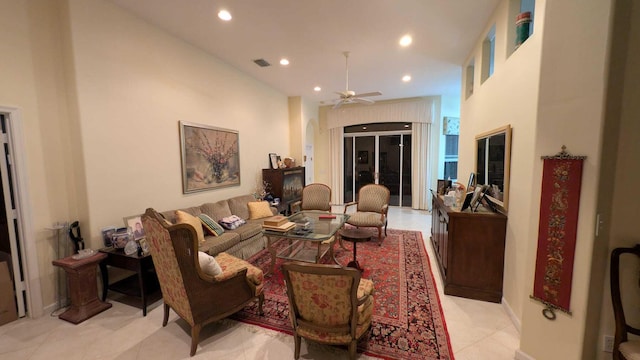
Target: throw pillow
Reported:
point(183, 217)
point(232, 222)
point(211, 225)
point(259, 209)
point(208, 264)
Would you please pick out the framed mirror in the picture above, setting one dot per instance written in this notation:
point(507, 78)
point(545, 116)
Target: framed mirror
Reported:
point(493, 159)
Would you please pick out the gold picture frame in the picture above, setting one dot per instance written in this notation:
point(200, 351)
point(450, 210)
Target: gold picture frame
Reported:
point(210, 157)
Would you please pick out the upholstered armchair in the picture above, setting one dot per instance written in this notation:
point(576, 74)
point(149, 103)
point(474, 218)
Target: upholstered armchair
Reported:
point(371, 208)
point(328, 304)
point(624, 346)
point(197, 297)
point(315, 196)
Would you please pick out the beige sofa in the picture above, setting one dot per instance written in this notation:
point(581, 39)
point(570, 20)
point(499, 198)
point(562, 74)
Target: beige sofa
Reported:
point(243, 242)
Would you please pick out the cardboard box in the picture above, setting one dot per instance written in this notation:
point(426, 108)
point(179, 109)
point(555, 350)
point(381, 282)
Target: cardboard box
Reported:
point(8, 311)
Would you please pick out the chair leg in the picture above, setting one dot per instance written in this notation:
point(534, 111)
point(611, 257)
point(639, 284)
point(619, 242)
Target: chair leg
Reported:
point(296, 339)
point(260, 302)
point(166, 315)
point(380, 235)
point(195, 334)
point(353, 345)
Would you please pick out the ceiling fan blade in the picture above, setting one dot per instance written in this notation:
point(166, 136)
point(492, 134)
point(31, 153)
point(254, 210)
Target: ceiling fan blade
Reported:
point(363, 101)
point(338, 104)
point(375, 93)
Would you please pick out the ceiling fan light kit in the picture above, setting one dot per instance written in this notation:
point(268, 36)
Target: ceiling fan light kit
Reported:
point(350, 97)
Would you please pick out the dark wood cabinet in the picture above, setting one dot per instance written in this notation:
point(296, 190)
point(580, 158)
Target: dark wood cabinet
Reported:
point(469, 248)
point(285, 184)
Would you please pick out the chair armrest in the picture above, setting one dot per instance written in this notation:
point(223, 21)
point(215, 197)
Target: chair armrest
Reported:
point(346, 206)
point(295, 206)
point(385, 209)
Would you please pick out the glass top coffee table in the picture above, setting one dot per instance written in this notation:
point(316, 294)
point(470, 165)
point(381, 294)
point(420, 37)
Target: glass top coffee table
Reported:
point(309, 239)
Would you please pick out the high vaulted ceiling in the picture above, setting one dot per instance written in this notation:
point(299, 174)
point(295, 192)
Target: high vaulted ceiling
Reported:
point(313, 34)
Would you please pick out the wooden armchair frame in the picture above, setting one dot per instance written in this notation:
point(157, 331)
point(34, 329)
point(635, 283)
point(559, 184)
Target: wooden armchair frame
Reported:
point(207, 299)
point(296, 318)
point(621, 343)
point(382, 210)
point(318, 198)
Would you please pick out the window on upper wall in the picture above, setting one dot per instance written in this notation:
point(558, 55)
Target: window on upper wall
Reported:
point(488, 53)
point(520, 24)
point(468, 79)
point(451, 157)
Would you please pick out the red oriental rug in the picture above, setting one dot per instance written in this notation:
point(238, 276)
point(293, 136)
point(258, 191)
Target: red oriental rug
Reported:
point(408, 322)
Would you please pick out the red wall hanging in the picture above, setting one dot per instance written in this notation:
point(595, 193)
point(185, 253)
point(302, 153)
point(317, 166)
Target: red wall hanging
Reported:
point(559, 204)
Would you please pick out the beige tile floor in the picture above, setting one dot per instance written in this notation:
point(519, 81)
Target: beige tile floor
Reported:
point(479, 330)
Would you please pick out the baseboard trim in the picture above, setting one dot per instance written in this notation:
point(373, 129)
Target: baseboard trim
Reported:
point(522, 356)
point(511, 314)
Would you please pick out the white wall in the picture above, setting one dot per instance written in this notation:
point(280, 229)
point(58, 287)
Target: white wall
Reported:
point(101, 93)
point(551, 90)
point(509, 96)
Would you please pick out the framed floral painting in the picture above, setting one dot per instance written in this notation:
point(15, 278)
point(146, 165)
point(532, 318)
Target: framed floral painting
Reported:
point(210, 157)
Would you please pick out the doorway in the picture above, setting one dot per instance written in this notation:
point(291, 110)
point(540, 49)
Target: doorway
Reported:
point(378, 154)
point(9, 222)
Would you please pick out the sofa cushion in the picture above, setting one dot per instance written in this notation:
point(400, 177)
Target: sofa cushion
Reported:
point(210, 225)
point(216, 210)
point(238, 205)
point(185, 218)
point(213, 245)
point(259, 209)
point(171, 215)
point(248, 230)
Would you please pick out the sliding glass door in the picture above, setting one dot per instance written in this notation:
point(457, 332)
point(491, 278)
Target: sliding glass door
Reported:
point(380, 158)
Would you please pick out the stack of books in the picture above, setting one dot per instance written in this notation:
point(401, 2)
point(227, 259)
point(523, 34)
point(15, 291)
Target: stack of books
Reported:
point(278, 223)
point(302, 223)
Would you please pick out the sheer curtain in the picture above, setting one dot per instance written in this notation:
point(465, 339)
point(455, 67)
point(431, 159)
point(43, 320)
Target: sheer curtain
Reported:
point(421, 169)
point(337, 164)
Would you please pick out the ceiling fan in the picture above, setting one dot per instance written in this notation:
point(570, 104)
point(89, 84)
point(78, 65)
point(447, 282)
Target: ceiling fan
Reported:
point(350, 97)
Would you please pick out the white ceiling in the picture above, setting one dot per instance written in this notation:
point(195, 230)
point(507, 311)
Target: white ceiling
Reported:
point(313, 34)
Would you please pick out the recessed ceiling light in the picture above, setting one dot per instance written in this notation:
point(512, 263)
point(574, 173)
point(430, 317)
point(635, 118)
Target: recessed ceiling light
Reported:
point(364, 128)
point(224, 15)
point(406, 40)
point(406, 125)
point(284, 61)
point(406, 78)
point(317, 88)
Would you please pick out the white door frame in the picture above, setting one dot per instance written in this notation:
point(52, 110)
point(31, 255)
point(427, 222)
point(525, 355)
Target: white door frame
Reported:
point(28, 249)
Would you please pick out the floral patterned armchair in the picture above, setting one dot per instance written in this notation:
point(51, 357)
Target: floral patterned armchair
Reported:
point(196, 297)
point(328, 304)
point(371, 208)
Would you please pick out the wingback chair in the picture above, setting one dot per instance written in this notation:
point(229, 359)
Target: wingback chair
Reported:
point(623, 347)
point(195, 296)
point(315, 196)
point(371, 208)
point(328, 304)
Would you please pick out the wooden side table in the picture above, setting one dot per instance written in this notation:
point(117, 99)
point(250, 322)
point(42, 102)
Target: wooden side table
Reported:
point(144, 285)
point(355, 236)
point(83, 289)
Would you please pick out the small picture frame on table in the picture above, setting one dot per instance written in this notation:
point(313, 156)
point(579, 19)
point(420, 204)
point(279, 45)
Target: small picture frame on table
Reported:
point(135, 223)
point(144, 246)
point(273, 160)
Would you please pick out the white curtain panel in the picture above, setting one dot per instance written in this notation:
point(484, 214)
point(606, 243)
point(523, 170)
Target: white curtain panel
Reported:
point(421, 169)
point(337, 164)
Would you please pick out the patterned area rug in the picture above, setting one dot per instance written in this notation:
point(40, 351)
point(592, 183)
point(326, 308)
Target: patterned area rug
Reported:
point(408, 322)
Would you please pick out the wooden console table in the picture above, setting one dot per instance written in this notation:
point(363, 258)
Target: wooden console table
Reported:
point(83, 288)
point(469, 248)
point(143, 285)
